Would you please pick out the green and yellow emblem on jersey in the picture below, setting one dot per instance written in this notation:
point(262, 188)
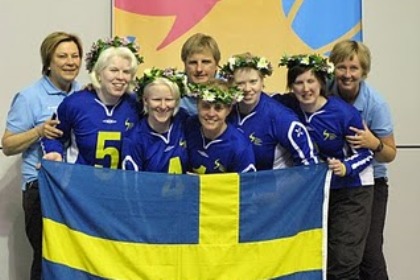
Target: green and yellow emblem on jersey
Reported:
point(183, 143)
point(219, 166)
point(255, 140)
point(128, 125)
point(328, 135)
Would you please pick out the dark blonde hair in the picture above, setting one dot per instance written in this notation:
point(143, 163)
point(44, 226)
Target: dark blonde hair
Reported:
point(348, 49)
point(199, 43)
point(219, 84)
point(50, 44)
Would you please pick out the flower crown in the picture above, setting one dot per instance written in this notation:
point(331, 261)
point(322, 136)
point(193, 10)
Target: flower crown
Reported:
point(240, 61)
point(100, 45)
point(173, 75)
point(313, 61)
point(214, 94)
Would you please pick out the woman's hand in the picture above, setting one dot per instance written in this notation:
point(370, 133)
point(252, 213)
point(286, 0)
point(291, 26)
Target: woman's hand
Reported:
point(54, 156)
point(337, 167)
point(363, 138)
point(49, 130)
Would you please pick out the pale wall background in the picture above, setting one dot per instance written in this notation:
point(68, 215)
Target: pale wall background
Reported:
point(390, 30)
point(23, 26)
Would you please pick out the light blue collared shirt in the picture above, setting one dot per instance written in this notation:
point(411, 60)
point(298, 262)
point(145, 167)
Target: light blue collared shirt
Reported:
point(30, 108)
point(189, 104)
point(376, 113)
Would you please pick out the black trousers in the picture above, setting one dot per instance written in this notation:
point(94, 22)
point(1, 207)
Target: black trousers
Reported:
point(348, 227)
point(373, 266)
point(33, 226)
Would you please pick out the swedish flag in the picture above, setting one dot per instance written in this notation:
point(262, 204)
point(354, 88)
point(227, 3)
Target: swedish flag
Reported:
point(113, 224)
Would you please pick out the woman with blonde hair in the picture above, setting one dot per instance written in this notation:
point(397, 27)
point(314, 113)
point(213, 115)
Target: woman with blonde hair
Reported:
point(94, 121)
point(157, 143)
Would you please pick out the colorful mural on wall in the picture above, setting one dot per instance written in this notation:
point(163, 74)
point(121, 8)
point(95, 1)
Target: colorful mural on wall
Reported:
point(268, 28)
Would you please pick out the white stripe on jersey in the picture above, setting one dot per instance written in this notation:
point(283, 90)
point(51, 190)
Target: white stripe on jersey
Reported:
point(72, 151)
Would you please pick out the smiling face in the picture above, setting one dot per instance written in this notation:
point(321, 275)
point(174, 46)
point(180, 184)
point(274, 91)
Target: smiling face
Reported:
point(307, 89)
point(250, 81)
point(200, 67)
point(212, 117)
point(114, 80)
point(160, 104)
point(349, 74)
point(65, 65)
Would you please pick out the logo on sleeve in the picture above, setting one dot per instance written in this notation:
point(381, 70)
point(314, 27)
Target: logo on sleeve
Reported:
point(128, 125)
point(298, 131)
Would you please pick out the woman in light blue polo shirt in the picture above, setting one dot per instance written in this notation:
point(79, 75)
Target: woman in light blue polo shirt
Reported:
point(352, 61)
point(29, 120)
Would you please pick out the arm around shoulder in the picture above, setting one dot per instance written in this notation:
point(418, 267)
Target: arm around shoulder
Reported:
point(383, 147)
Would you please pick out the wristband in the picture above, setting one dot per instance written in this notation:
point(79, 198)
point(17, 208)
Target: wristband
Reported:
point(380, 147)
point(343, 169)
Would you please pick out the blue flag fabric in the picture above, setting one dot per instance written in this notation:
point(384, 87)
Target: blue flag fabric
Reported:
point(114, 224)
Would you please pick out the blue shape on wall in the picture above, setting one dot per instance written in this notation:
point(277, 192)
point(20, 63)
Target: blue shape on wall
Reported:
point(320, 22)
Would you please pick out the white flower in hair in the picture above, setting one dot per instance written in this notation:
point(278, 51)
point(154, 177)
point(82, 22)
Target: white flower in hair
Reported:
point(238, 96)
point(262, 63)
point(151, 74)
point(208, 96)
point(305, 60)
point(232, 62)
point(244, 61)
point(148, 72)
point(97, 47)
point(330, 67)
point(314, 61)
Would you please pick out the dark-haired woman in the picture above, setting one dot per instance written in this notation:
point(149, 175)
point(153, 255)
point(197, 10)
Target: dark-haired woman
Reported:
point(329, 121)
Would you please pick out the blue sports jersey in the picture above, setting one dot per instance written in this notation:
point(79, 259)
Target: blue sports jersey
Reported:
point(146, 150)
point(328, 128)
point(230, 152)
point(93, 131)
point(279, 139)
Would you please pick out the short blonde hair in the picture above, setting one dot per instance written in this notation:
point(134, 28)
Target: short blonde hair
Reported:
point(104, 60)
point(173, 88)
point(199, 43)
